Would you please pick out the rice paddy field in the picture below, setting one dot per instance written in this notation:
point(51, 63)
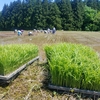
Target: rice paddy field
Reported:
point(31, 84)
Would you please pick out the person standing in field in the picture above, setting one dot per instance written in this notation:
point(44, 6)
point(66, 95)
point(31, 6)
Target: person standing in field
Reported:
point(54, 30)
point(22, 31)
point(15, 31)
point(19, 33)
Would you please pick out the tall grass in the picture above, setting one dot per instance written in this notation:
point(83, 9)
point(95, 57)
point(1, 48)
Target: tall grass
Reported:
point(74, 65)
point(14, 55)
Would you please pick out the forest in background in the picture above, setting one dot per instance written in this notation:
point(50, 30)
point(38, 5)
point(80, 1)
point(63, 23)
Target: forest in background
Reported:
point(71, 15)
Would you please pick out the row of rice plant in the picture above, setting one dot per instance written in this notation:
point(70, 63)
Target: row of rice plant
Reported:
point(73, 65)
point(13, 56)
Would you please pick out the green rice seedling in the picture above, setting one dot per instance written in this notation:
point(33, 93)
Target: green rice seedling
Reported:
point(1, 69)
point(14, 55)
point(73, 65)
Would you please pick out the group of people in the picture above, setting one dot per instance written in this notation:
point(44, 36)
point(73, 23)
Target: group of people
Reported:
point(50, 31)
point(20, 32)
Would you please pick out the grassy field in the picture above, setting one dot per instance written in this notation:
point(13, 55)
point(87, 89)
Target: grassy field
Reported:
point(31, 84)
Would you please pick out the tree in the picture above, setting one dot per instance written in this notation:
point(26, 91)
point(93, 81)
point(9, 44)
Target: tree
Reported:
point(15, 9)
point(54, 19)
point(45, 12)
point(38, 2)
point(98, 5)
point(57, 1)
point(96, 22)
point(78, 11)
point(37, 17)
point(4, 18)
point(93, 4)
point(28, 11)
point(66, 14)
point(89, 15)
point(30, 1)
point(62, 14)
point(50, 1)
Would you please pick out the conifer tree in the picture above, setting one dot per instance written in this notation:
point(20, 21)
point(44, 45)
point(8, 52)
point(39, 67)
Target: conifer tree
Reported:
point(78, 11)
point(66, 14)
point(92, 3)
point(54, 19)
point(45, 12)
point(37, 17)
point(4, 16)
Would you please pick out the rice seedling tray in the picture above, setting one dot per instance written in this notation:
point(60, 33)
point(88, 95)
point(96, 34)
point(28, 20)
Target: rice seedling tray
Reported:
point(11, 76)
point(73, 90)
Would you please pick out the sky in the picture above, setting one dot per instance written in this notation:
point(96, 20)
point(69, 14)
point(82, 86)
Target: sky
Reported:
point(2, 2)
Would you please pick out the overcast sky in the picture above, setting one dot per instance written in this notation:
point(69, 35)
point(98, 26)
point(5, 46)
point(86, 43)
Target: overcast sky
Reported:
point(2, 2)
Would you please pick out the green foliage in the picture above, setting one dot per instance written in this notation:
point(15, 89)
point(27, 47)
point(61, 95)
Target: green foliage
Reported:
point(93, 4)
point(13, 56)
point(73, 65)
point(54, 19)
point(89, 16)
point(78, 11)
point(96, 21)
point(43, 14)
point(66, 15)
point(37, 17)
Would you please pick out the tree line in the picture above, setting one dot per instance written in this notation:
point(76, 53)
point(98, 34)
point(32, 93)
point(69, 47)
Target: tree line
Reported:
point(83, 15)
